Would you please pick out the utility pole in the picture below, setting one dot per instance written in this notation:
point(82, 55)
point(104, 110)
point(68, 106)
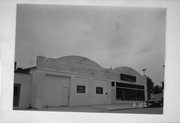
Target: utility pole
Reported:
point(163, 80)
point(144, 70)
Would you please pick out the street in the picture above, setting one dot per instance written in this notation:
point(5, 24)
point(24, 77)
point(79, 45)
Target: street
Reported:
point(152, 110)
point(105, 109)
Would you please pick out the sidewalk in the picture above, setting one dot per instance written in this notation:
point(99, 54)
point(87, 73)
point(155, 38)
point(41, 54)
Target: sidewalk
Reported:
point(91, 108)
point(115, 107)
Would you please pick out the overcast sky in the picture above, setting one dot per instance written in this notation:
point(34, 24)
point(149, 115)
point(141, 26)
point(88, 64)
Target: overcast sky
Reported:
point(110, 36)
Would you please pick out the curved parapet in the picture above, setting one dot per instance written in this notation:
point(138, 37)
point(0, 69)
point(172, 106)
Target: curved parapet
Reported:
point(83, 65)
point(79, 61)
point(69, 63)
point(129, 75)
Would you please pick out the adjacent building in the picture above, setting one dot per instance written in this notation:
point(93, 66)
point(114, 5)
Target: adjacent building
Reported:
point(76, 80)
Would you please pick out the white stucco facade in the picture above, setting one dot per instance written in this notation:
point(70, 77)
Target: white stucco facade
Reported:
point(75, 80)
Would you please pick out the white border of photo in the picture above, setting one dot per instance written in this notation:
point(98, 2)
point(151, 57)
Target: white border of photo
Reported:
point(172, 67)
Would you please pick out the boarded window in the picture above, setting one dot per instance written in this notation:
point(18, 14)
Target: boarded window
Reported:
point(99, 90)
point(80, 89)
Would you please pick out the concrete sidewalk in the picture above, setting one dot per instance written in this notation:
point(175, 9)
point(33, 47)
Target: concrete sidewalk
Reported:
point(115, 107)
point(91, 108)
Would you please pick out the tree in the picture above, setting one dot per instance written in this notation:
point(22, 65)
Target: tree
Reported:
point(162, 85)
point(157, 89)
point(150, 85)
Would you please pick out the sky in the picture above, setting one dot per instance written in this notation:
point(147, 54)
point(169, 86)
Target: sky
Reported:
point(110, 36)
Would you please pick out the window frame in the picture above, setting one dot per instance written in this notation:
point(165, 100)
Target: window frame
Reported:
point(128, 78)
point(112, 83)
point(81, 89)
point(99, 90)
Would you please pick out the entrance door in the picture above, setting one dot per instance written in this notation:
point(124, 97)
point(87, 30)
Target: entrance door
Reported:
point(99, 92)
point(17, 89)
point(113, 96)
point(65, 96)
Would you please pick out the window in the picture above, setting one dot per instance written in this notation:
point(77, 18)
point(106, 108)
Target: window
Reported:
point(80, 89)
point(112, 84)
point(126, 91)
point(99, 90)
point(128, 78)
point(129, 94)
point(125, 85)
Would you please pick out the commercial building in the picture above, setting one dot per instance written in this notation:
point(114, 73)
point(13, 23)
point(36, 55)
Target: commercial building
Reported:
point(76, 80)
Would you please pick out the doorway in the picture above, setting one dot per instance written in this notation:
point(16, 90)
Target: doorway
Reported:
point(65, 96)
point(17, 89)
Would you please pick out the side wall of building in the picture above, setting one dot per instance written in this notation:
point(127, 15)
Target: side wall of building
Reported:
point(24, 80)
